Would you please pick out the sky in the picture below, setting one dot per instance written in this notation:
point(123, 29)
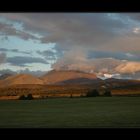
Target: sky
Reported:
point(107, 44)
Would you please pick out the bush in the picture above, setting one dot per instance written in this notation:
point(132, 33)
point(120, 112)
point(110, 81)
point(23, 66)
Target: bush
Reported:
point(22, 97)
point(28, 97)
point(92, 93)
point(71, 96)
point(107, 93)
point(82, 96)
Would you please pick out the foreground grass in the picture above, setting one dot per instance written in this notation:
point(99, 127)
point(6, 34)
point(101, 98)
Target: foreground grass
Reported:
point(112, 112)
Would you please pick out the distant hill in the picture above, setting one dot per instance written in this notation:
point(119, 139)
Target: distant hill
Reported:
point(20, 79)
point(4, 76)
point(83, 81)
point(112, 82)
point(64, 83)
point(55, 77)
point(65, 77)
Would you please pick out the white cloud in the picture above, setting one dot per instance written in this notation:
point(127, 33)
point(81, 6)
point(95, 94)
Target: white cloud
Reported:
point(129, 55)
point(136, 30)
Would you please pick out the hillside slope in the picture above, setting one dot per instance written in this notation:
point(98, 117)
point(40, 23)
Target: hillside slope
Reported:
point(20, 79)
point(54, 76)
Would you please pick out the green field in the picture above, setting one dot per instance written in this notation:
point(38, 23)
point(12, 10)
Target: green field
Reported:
point(102, 112)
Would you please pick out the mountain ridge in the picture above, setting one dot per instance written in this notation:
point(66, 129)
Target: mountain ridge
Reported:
point(21, 79)
point(63, 77)
point(56, 76)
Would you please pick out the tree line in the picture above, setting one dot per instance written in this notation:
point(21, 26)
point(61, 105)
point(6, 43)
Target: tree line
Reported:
point(95, 93)
point(90, 93)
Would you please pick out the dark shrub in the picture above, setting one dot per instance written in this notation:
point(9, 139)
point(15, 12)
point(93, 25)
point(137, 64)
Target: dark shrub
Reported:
point(92, 93)
point(71, 96)
point(29, 97)
point(22, 97)
point(82, 95)
point(107, 93)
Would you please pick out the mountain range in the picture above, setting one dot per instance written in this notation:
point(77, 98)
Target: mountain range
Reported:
point(63, 83)
point(63, 77)
point(52, 77)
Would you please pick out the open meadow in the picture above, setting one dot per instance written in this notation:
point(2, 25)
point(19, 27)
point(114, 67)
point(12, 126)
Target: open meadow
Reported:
point(93, 112)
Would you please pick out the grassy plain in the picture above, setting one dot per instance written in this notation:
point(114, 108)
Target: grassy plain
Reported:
point(93, 112)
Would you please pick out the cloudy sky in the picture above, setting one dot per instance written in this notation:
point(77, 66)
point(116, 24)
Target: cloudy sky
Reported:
point(107, 44)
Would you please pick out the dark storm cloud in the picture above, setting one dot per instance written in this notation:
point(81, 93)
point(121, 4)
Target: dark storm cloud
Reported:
point(91, 30)
point(116, 55)
point(70, 29)
point(23, 60)
point(9, 30)
point(18, 51)
point(83, 30)
point(48, 54)
point(3, 49)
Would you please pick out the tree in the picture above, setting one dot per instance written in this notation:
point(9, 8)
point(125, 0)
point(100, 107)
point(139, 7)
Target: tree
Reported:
point(92, 93)
point(22, 97)
point(107, 93)
point(71, 96)
point(29, 97)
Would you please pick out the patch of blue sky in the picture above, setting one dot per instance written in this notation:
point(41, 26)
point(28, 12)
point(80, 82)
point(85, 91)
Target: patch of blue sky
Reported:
point(38, 66)
point(12, 54)
point(18, 26)
point(5, 20)
point(31, 67)
point(9, 66)
point(12, 67)
point(14, 42)
point(117, 16)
